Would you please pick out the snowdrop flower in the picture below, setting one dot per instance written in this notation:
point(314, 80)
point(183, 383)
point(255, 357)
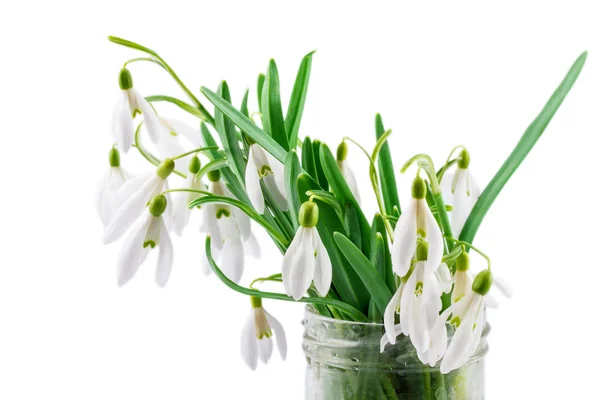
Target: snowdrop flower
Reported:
point(263, 166)
point(462, 279)
point(250, 248)
point(256, 335)
point(131, 199)
point(149, 232)
point(347, 173)
point(129, 104)
point(181, 212)
point(110, 183)
point(169, 144)
point(461, 192)
point(228, 227)
point(468, 316)
point(306, 258)
point(416, 222)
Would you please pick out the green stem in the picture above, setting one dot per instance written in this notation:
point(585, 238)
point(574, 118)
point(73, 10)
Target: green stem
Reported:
point(199, 149)
point(146, 154)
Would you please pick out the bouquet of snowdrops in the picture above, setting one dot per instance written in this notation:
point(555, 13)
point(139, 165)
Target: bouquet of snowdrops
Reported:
point(406, 267)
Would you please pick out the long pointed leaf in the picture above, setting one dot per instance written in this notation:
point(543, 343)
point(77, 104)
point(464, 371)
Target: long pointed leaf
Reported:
point(291, 171)
point(308, 158)
point(387, 177)
point(228, 135)
point(528, 140)
point(273, 122)
point(297, 100)
point(380, 293)
point(378, 227)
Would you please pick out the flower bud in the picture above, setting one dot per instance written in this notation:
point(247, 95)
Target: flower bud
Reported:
point(309, 214)
point(483, 282)
point(463, 261)
point(114, 158)
point(342, 151)
point(419, 188)
point(125, 79)
point(256, 302)
point(214, 175)
point(165, 168)
point(195, 165)
point(422, 250)
point(464, 159)
point(158, 205)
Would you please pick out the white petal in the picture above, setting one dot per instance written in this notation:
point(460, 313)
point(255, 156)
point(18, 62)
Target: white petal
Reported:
point(251, 246)
point(323, 269)
point(473, 187)
point(444, 277)
point(131, 186)
point(475, 336)
point(460, 340)
point(168, 146)
point(249, 345)
point(385, 338)
point(133, 253)
point(165, 257)
point(348, 175)
point(123, 123)
point(289, 258)
point(190, 133)
point(463, 203)
point(462, 285)
point(503, 287)
point(406, 299)
point(439, 337)
point(419, 333)
point(491, 302)
point(278, 171)
point(279, 333)
point(211, 227)
point(265, 349)
point(243, 222)
point(180, 212)
point(273, 188)
point(405, 240)
point(389, 316)
point(434, 240)
point(103, 198)
point(446, 187)
point(302, 269)
point(151, 121)
point(232, 259)
point(253, 187)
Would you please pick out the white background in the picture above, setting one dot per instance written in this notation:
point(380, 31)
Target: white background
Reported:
point(441, 74)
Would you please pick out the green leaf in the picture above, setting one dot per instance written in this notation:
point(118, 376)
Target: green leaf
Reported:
point(259, 90)
point(380, 293)
point(387, 177)
point(528, 140)
point(346, 282)
point(244, 105)
point(291, 171)
point(211, 166)
point(352, 226)
point(272, 114)
point(228, 135)
point(320, 173)
point(308, 158)
point(378, 259)
point(340, 189)
point(296, 105)
point(249, 211)
point(246, 125)
point(346, 308)
point(387, 273)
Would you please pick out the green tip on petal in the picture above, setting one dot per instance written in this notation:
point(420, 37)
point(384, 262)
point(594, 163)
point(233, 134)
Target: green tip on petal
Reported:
point(195, 165)
point(165, 168)
point(256, 302)
point(158, 205)
point(214, 175)
point(464, 159)
point(483, 282)
point(463, 261)
point(342, 151)
point(114, 158)
point(422, 251)
point(308, 215)
point(125, 79)
point(419, 188)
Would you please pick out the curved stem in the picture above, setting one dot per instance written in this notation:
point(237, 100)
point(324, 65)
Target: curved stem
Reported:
point(149, 59)
point(199, 149)
point(469, 245)
point(272, 278)
point(375, 185)
point(346, 308)
point(146, 154)
point(441, 173)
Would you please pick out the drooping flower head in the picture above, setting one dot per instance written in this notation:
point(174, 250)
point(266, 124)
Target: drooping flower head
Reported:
point(181, 212)
point(108, 186)
point(169, 143)
point(347, 173)
point(262, 166)
point(149, 232)
point(306, 259)
point(416, 223)
point(129, 104)
point(460, 191)
point(257, 335)
point(131, 199)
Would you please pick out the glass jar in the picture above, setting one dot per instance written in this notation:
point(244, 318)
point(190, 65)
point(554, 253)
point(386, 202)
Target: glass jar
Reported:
point(344, 363)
